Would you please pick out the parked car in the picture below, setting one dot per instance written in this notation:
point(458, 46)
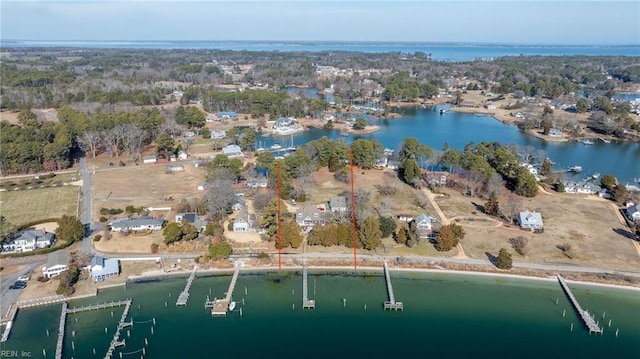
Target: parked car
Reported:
point(23, 278)
point(18, 285)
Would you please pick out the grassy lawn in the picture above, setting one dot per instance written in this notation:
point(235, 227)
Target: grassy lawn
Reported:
point(33, 204)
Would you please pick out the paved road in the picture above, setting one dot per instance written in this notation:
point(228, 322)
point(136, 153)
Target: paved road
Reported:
point(86, 206)
point(10, 296)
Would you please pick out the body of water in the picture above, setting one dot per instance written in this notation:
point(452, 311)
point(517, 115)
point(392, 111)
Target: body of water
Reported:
point(619, 158)
point(446, 315)
point(440, 52)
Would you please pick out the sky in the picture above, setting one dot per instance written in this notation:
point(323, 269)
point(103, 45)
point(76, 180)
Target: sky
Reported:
point(542, 22)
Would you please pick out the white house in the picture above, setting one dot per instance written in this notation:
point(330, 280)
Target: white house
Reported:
point(182, 155)
point(260, 182)
point(405, 218)
point(633, 212)
point(243, 222)
point(29, 240)
point(233, 151)
point(530, 220)
point(175, 168)
point(136, 224)
point(57, 263)
point(424, 222)
point(102, 268)
point(201, 186)
point(218, 134)
point(149, 159)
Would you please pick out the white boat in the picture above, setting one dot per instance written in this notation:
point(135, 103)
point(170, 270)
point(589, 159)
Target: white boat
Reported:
point(575, 169)
point(232, 306)
point(588, 142)
point(276, 146)
point(443, 111)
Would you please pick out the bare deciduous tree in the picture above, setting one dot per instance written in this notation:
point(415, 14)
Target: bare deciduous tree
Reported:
point(221, 193)
point(92, 140)
point(511, 207)
point(133, 140)
point(495, 184)
point(520, 244)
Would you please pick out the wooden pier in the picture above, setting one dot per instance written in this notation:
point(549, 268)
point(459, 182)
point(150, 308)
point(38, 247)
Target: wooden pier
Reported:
point(116, 342)
point(306, 302)
point(61, 326)
point(391, 304)
point(586, 317)
point(105, 305)
point(220, 306)
point(184, 296)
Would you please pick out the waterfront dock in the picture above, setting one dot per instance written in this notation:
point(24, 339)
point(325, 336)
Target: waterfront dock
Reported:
point(391, 304)
point(61, 326)
point(91, 307)
point(184, 296)
point(116, 342)
point(588, 320)
point(306, 302)
point(220, 306)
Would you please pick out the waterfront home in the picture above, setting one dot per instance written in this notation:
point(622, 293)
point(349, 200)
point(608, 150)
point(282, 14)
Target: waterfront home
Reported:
point(424, 225)
point(149, 159)
point(308, 216)
point(232, 151)
point(28, 240)
point(136, 224)
point(338, 204)
point(530, 220)
point(582, 187)
point(201, 186)
point(57, 263)
point(260, 182)
point(175, 168)
point(243, 222)
point(554, 132)
point(102, 268)
point(218, 134)
point(633, 212)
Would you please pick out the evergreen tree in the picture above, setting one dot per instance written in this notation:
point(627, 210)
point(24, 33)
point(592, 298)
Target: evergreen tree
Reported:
point(504, 261)
point(492, 207)
point(369, 233)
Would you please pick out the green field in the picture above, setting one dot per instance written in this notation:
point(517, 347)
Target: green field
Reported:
point(33, 204)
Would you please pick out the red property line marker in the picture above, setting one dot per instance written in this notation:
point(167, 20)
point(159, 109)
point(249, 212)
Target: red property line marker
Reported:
point(353, 210)
point(278, 219)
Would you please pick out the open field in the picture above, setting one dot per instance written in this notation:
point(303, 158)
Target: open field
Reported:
point(34, 204)
point(144, 185)
point(591, 227)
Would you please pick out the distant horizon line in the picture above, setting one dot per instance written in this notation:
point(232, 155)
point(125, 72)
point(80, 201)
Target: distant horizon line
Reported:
point(371, 42)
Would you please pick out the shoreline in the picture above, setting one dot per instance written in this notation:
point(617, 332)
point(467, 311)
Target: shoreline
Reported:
point(159, 275)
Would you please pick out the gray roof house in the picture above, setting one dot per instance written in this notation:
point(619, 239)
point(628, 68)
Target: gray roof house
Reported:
point(261, 182)
point(199, 221)
point(338, 204)
point(424, 225)
point(243, 222)
point(633, 212)
point(530, 220)
point(309, 216)
point(103, 268)
point(233, 151)
point(136, 224)
point(28, 240)
point(57, 263)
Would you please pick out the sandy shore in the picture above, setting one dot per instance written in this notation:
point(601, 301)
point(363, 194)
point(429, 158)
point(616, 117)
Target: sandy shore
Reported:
point(348, 269)
point(367, 129)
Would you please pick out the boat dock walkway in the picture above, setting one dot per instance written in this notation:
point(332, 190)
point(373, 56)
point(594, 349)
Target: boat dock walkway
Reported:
point(61, 326)
point(184, 296)
point(586, 317)
point(220, 306)
point(87, 308)
point(115, 342)
point(391, 303)
point(306, 302)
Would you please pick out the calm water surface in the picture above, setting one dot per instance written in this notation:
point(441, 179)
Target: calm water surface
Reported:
point(445, 315)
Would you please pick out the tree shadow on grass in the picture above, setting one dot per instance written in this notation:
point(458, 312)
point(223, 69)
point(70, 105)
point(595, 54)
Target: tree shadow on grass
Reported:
point(625, 233)
point(493, 259)
point(479, 207)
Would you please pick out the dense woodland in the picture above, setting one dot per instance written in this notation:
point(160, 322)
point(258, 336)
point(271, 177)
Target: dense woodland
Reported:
point(120, 100)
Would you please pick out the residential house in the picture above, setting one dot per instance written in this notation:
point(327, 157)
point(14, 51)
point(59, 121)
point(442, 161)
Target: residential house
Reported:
point(199, 222)
point(308, 216)
point(530, 220)
point(136, 224)
point(57, 263)
point(260, 182)
point(201, 186)
point(28, 240)
point(233, 151)
point(554, 132)
point(243, 222)
point(182, 155)
point(149, 159)
point(102, 268)
point(175, 168)
point(405, 218)
point(227, 114)
point(424, 225)
point(238, 204)
point(582, 187)
point(338, 204)
point(218, 134)
point(633, 212)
